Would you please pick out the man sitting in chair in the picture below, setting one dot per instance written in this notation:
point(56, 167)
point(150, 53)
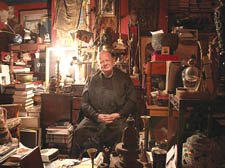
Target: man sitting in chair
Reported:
point(108, 98)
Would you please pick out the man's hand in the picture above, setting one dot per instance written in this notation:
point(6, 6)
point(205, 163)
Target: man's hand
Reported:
point(108, 118)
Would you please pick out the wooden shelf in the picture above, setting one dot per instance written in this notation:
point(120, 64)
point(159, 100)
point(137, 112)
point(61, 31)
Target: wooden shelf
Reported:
point(28, 47)
point(24, 47)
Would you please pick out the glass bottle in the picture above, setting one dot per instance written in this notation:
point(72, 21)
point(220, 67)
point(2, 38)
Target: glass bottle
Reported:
point(191, 76)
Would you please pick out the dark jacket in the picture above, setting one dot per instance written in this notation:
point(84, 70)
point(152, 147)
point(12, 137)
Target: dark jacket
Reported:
point(99, 99)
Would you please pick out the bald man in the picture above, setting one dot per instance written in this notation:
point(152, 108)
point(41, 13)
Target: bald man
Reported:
point(108, 98)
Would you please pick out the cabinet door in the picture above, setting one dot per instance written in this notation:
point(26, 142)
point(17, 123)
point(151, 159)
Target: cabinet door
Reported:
point(55, 107)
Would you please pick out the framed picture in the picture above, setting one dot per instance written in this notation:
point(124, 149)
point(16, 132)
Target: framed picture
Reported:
point(31, 19)
point(107, 7)
point(165, 50)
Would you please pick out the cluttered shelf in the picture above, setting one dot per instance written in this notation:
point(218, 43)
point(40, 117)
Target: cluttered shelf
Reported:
point(28, 47)
point(23, 57)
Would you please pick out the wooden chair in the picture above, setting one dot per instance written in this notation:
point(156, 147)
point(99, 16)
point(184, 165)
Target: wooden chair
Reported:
point(13, 121)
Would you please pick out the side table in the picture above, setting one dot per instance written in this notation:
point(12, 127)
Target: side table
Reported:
point(183, 105)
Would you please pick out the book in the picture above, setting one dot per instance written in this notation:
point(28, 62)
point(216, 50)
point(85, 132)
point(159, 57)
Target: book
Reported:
point(25, 108)
point(21, 69)
point(64, 139)
point(22, 86)
point(34, 111)
point(60, 124)
point(24, 92)
point(7, 155)
point(20, 153)
point(33, 114)
point(17, 98)
point(22, 114)
point(22, 101)
point(60, 131)
point(6, 148)
point(9, 90)
point(25, 104)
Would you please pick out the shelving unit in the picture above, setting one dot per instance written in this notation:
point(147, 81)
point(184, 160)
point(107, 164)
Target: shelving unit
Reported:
point(25, 47)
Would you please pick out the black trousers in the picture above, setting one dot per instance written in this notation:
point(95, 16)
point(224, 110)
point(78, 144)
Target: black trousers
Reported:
point(89, 134)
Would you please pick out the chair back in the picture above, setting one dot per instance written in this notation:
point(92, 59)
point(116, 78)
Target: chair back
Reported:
point(3, 113)
point(12, 109)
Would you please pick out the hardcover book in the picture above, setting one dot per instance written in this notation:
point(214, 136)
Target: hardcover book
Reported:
point(23, 92)
point(24, 97)
point(23, 86)
point(22, 101)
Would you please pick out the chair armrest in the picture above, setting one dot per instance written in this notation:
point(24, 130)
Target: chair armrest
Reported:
point(12, 109)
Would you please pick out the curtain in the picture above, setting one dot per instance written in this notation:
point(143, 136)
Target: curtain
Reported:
point(67, 14)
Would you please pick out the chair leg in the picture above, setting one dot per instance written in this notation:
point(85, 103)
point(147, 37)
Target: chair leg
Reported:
point(18, 133)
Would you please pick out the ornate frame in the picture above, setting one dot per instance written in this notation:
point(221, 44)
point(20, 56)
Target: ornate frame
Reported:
point(30, 18)
point(107, 7)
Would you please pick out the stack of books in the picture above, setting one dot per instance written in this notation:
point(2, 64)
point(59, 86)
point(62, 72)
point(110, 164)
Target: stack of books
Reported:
point(15, 159)
point(24, 95)
point(6, 150)
point(60, 136)
point(34, 111)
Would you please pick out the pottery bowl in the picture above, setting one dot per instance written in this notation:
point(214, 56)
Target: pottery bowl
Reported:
point(165, 39)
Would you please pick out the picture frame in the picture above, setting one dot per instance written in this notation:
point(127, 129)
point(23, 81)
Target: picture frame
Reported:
point(31, 18)
point(107, 7)
point(165, 50)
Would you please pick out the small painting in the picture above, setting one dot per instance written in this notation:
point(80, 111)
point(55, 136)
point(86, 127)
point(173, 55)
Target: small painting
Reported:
point(107, 7)
point(165, 50)
point(32, 19)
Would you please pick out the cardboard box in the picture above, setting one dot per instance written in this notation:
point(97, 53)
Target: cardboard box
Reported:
point(30, 122)
point(4, 69)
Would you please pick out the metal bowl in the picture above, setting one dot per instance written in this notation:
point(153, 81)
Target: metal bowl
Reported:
point(28, 77)
point(165, 39)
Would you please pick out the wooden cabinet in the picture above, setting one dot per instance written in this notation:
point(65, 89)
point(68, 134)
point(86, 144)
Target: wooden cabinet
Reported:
point(55, 107)
point(153, 68)
point(76, 102)
point(58, 107)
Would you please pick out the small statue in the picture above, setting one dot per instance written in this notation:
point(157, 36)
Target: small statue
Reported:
point(130, 137)
point(129, 148)
point(106, 155)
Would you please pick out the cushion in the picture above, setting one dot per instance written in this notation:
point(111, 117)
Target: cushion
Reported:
point(5, 135)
